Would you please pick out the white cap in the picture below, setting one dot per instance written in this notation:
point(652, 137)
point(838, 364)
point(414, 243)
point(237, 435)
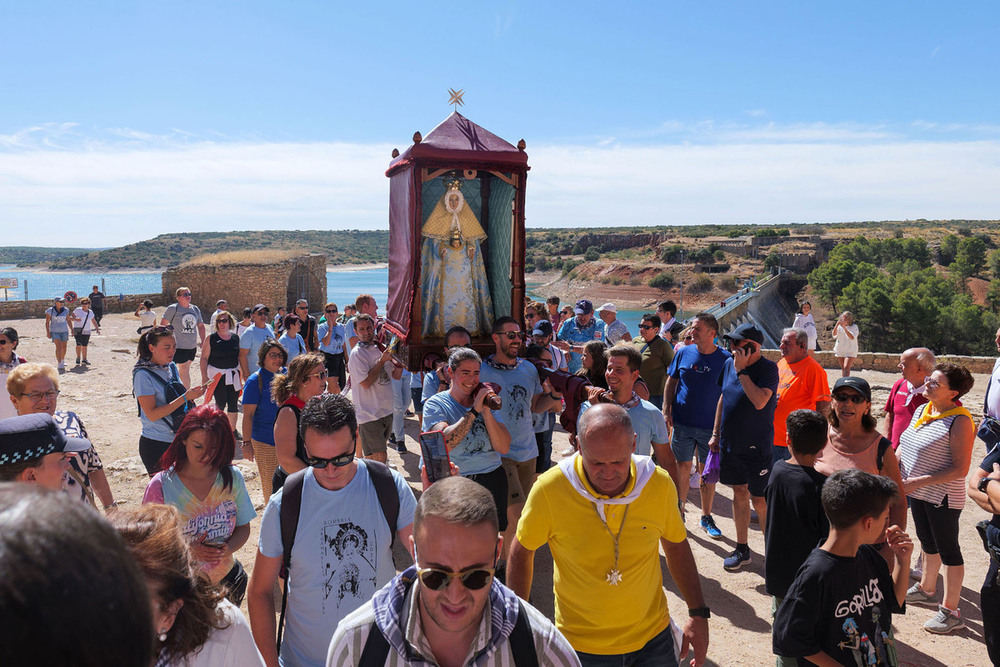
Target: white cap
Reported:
point(609, 307)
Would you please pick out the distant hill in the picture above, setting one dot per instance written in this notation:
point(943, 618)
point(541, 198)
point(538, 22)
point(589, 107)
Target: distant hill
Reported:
point(31, 255)
point(341, 247)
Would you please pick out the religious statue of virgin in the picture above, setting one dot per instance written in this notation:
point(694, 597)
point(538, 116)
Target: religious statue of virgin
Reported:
point(454, 288)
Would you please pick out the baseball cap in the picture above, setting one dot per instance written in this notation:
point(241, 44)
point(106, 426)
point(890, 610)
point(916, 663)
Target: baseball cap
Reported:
point(542, 328)
point(28, 437)
point(583, 307)
point(746, 332)
point(259, 307)
point(610, 307)
point(856, 383)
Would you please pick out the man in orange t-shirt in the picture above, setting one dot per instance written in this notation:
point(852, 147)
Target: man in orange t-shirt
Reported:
point(802, 384)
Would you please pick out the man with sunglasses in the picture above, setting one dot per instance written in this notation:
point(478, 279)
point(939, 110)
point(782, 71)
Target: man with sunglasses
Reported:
point(448, 608)
point(253, 338)
point(744, 427)
point(309, 330)
point(577, 331)
point(341, 552)
point(656, 356)
point(189, 332)
point(605, 513)
point(522, 394)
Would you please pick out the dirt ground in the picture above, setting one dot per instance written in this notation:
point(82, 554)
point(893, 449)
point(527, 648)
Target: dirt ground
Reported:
point(741, 623)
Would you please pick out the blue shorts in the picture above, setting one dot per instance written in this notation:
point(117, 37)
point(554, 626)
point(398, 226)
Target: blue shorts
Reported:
point(684, 440)
point(59, 335)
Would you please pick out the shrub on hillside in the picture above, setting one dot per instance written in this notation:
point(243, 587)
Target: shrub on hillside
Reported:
point(663, 280)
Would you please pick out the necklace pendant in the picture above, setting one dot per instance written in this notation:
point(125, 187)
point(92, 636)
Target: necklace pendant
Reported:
point(614, 577)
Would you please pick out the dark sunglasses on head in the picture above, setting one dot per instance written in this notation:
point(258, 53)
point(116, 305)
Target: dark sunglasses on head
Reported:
point(336, 461)
point(437, 580)
point(857, 399)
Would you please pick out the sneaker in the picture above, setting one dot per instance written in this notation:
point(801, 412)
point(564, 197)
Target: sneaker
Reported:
point(708, 525)
point(944, 621)
point(736, 560)
point(754, 519)
point(85, 362)
point(77, 362)
point(916, 595)
point(401, 446)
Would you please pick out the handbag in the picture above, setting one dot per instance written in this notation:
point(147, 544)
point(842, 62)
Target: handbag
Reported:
point(710, 473)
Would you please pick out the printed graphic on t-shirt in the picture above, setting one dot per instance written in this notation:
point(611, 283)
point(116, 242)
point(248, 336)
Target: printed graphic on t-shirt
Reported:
point(349, 558)
point(517, 400)
point(478, 435)
point(216, 525)
point(188, 323)
point(864, 651)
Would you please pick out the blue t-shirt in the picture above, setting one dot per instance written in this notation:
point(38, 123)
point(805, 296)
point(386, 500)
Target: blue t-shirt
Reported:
point(520, 385)
point(698, 389)
point(744, 425)
point(337, 338)
point(648, 424)
point(341, 556)
point(573, 333)
point(349, 333)
point(144, 385)
point(431, 385)
point(474, 455)
point(293, 346)
point(259, 393)
point(251, 340)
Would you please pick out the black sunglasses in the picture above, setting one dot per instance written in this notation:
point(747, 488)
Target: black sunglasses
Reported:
point(647, 326)
point(857, 399)
point(437, 580)
point(333, 310)
point(336, 461)
point(511, 335)
point(166, 328)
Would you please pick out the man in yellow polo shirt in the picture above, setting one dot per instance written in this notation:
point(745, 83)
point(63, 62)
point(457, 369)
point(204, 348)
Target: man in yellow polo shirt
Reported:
point(604, 512)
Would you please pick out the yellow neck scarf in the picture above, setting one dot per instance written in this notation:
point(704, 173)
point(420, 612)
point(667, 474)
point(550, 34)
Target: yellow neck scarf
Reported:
point(925, 416)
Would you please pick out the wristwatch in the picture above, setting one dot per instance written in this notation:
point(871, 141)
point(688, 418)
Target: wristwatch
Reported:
point(703, 612)
point(983, 483)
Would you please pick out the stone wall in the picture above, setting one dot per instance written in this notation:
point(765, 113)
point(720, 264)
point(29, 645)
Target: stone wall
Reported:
point(244, 285)
point(888, 362)
point(37, 307)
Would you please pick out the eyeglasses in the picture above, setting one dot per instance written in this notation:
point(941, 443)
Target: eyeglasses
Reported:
point(646, 326)
point(184, 294)
point(332, 311)
point(5, 342)
point(301, 307)
point(438, 580)
point(511, 335)
point(321, 375)
point(857, 399)
point(37, 396)
point(336, 461)
point(166, 328)
point(688, 337)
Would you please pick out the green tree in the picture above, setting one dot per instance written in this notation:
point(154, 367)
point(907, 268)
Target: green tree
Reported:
point(993, 295)
point(994, 262)
point(592, 254)
point(773, 260)
point(947, 250)
point(972, 252)
point(830, 278)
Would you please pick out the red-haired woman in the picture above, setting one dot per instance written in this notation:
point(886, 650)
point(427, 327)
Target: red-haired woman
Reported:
point(200, 480)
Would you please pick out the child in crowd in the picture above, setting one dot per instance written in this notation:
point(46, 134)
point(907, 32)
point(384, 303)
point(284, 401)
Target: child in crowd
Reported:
point(795, 520)
point(837, 611)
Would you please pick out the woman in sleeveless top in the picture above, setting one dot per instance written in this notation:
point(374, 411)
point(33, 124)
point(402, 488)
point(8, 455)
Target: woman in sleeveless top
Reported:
point(934, 454)
point(220, 355)
point(306, 377)
point(855, 443)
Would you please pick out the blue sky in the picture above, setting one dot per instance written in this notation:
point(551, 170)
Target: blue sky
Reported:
point(123, 120)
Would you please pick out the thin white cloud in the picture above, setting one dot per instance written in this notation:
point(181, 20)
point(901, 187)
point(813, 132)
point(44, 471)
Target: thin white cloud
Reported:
point(61, 186)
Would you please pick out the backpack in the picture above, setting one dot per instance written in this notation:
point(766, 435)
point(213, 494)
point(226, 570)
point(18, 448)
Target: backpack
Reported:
point(172, 390)
point(291, 503)
point(522, 644)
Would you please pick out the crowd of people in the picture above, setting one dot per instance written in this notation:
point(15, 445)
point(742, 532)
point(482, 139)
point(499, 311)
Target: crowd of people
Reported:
point(680, 405)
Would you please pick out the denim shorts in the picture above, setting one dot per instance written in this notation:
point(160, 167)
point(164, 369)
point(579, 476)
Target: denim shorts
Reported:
point(686, 438)
point(59, 335)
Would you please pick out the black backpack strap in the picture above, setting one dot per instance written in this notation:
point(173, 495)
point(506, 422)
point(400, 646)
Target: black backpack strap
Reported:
point(291, 504)
point(376, 649)
point(388, 495)
point(522, 644)
point(883, 444)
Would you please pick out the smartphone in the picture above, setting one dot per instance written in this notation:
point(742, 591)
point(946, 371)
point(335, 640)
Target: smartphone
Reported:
point(435, 453)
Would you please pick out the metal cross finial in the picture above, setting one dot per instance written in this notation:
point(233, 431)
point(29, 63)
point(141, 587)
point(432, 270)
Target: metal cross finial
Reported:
point(456, 98)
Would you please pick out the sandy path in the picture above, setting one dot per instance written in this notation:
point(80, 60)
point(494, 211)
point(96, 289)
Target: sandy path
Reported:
point(101, 395)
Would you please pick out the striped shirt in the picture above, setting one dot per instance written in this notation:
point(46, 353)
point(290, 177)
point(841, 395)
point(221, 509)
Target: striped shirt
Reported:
point(925, 451)
point(349, 640)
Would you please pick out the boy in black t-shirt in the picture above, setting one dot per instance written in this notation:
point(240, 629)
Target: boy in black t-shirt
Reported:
point(837, 611)
point(796, 522)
